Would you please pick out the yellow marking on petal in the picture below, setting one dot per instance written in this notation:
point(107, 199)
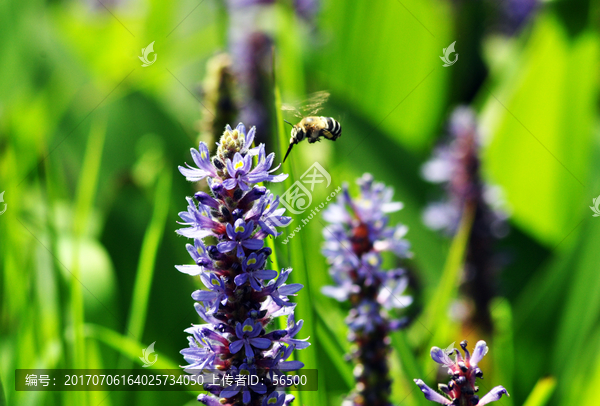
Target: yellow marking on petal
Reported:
point(373, 261)
point(203, 154)
point(268, 206)
point(239, 165)
point(216, 282)
point(240, 229)
point(244, 372)
point(247, 328)
point(251, 261)
point(271, 401)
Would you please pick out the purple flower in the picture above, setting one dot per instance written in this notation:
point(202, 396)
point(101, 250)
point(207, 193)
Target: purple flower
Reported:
point(215, 295)
point(358, 233)
point(464, 370)
point(205, 168)
point(200, 256)
point(240, 235)
point(241, 174)
point(200, 222)
point(279, 291)
point(237, 303)
point(293, 328)
point(248, 333)
point(268, 216)
point(253, 273)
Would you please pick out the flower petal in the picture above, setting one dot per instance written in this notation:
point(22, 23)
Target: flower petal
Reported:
point(480, 350)
point(236, 346)
point(493, 395)
point(432, 395)
point(440, 356)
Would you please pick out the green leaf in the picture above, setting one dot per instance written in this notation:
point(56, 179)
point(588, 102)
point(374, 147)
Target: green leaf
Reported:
point(541, 393)
point(384, 62)
point(540, 121)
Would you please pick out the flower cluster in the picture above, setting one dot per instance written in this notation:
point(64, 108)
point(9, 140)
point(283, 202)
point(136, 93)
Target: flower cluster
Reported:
point(461, 389)
point(228, 227)
point(357, 235)
point(456, 166)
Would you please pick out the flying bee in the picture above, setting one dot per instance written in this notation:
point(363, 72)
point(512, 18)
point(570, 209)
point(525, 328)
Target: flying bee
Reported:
point(311, 126)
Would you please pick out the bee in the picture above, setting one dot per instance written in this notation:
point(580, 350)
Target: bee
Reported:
point(311, 126)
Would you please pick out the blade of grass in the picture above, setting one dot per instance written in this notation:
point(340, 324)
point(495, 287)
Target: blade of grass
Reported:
point(436, 312)
point(2, 397)
point(147, 261)
point(503, 354)
point(541, 393)
point(86, 190)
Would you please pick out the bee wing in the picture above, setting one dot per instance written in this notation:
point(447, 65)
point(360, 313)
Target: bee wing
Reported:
point(314, 103)
point(293, 109)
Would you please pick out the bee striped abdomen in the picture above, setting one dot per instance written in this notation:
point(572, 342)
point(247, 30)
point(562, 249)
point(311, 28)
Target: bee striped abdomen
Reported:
point(334, 127)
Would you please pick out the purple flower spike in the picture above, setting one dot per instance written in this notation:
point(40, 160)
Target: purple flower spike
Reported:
point(461, 389)
point(358, 233)
point(240, 297)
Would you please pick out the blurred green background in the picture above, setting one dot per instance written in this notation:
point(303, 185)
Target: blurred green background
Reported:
point(90, 142)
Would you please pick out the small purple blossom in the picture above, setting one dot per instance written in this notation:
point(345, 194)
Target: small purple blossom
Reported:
point(464, 370)
point(240, 234)
point(248, 338)
point(215, 294)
